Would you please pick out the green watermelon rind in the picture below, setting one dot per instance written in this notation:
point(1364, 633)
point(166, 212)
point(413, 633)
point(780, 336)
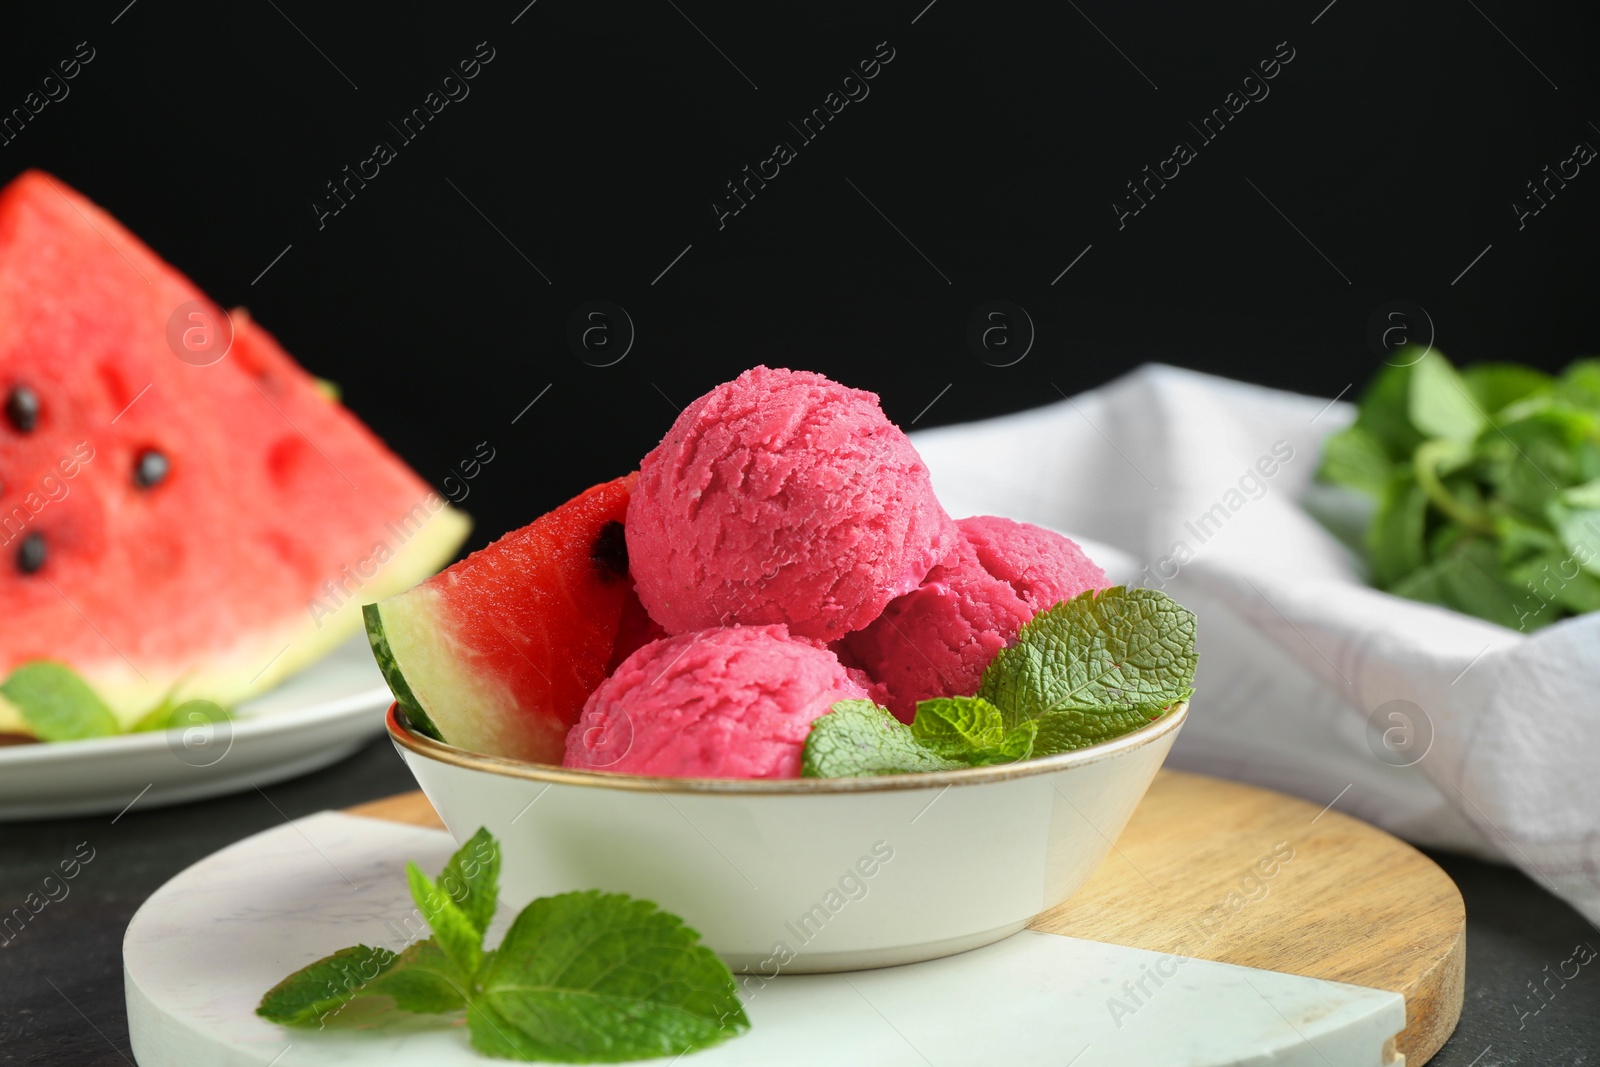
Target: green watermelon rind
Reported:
point(372, 615)
point(430, 667)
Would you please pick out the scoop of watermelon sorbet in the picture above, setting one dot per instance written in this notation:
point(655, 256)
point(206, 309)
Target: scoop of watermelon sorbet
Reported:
point(936, 640)
point(782, 497)
point(735, 702)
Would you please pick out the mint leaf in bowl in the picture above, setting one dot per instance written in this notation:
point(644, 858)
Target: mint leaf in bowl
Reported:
point(1089, 669)
point(859, 738)
point(1102, 654)
point(972, 730)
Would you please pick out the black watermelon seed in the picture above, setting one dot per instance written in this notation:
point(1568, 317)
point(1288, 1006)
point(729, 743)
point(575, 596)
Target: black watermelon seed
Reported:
point(610, 550)
point(22, 408)
point(31, 556)
point(150, 469)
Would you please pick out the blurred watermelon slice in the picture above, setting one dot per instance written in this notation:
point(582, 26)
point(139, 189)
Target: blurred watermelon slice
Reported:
point(198, 525)
point(498, 653)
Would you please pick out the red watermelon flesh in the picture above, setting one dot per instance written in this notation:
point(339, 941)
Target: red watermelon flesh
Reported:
point(634, 630)
point(167, 527)
point(498, 653)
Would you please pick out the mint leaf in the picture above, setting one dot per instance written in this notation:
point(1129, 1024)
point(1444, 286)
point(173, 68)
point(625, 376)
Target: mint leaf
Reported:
point(1395, 543)
point(1440, 405)
point(1496, 386)
point(1475, 581)
point(423, 980)
point(1556, 578)
point(965, 722)
point(420, 979)
point(1533, 458)
point(600, 978)
point(1063, 731)
point(1579, 384)
point(190, 713)
point(1017, 744)
point(1442, 469)
point(1098, 653)
point(1492, 502)
point(427, 978)
point(1575, 514)
point(1384, 409)
point(860, 738)
point(580, 978)
point(972, 730)
point(309, 994)
point(1088, 669)
point(1355, 457)
point(472, 879)
point(56, 703)
point(454, 932)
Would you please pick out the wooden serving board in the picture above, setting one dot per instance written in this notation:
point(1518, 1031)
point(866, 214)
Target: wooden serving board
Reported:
point(1221, 871)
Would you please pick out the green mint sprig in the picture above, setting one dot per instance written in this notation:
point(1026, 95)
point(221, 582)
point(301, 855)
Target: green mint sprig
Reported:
point(1483, 486)
point(58, 705)
point(857, 737)
point(583, 977)
point(972, 730)
point(1089, 669)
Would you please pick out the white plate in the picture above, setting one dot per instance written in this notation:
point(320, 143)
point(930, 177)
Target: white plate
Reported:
point(314, 718)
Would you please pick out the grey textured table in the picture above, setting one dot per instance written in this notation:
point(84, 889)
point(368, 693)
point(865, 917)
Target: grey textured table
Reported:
point(61, 977)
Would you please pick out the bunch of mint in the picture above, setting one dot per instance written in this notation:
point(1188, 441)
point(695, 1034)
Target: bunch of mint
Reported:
point(579, 978)
point(1485, 484)
point(1089, 669)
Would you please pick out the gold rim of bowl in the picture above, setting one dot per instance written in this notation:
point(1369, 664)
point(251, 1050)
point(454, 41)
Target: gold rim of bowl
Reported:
point(427, 747)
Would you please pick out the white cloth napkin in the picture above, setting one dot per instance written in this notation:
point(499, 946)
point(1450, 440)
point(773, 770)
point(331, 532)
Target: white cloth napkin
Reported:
point(1444, 729)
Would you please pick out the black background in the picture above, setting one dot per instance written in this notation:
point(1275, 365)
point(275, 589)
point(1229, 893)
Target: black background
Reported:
point(996, 141)
point(986, 158)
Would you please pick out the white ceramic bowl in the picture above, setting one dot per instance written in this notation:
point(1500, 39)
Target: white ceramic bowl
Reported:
point(797, 875)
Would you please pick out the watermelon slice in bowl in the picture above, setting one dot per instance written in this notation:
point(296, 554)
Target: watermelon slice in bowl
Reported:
point(498, 652)
point(174, 523)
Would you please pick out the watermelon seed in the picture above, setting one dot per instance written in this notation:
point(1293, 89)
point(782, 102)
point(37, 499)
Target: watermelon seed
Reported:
point(31, 556)
point(610, 550)
point(22, 408)
point(150, 469)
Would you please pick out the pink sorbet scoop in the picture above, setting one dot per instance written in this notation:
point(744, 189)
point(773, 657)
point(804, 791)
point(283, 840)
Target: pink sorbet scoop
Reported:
point(782, 497)
point(735, 702)
point(936, 640)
